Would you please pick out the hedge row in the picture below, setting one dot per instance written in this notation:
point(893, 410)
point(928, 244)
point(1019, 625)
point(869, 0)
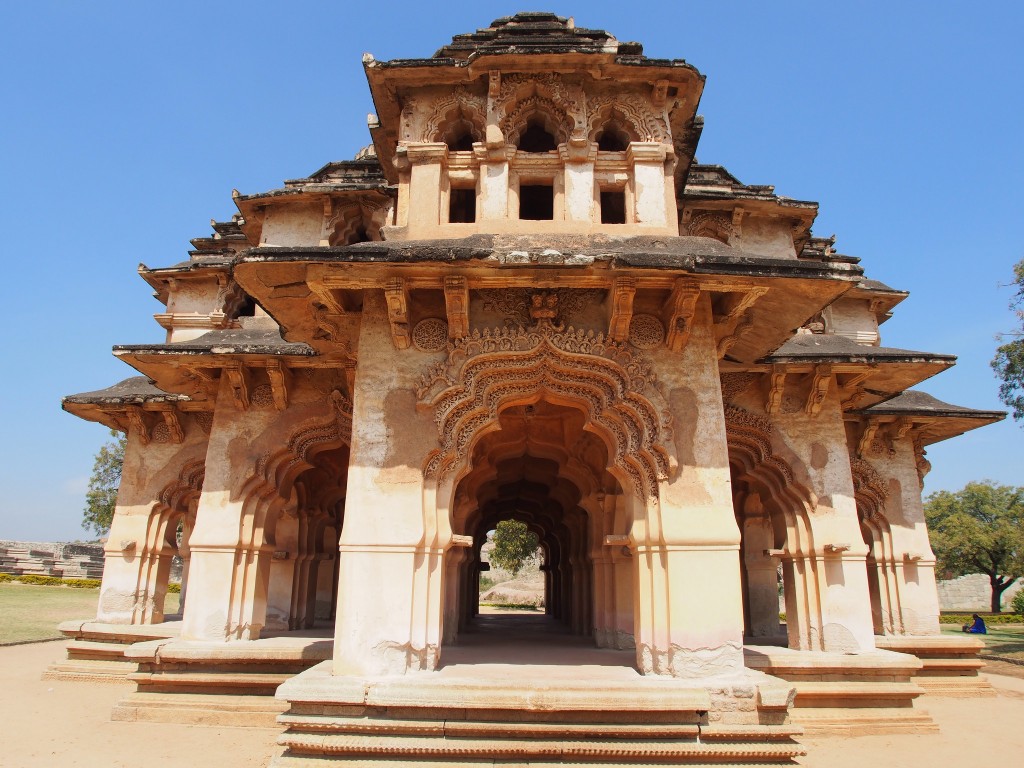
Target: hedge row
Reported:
point(50, 581)
point(55, 581)
point(990, 618)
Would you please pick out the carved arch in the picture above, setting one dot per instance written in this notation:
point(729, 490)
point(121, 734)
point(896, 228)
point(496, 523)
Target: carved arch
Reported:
point(485, 372)
point(713, 225)
point(355, 223)
point(633, 112)
point(458, 106)
point(551, 116)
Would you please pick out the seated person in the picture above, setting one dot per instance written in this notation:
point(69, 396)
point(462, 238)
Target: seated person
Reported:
point(977, 628)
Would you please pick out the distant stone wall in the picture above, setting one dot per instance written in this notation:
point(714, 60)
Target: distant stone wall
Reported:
point(46, 558)
point(972, 593)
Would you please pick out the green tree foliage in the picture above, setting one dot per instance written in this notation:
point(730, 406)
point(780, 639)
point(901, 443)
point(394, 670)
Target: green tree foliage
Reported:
point(514, 544)
point(979, 529)
point(101, 497)
point(1009, 360)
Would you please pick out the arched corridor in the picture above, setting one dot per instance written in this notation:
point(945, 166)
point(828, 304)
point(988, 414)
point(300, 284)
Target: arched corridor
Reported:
point(542, 467)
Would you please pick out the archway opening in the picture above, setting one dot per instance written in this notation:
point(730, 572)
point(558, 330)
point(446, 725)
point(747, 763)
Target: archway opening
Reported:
point(302, 573)
point(541, 467)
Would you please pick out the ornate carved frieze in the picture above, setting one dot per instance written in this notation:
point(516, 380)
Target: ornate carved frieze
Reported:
point(646, 332)
point(869, 488)
point(430, 335)
point(515, 303)
point(714, 224)
point(615, 388)
point(734, 384)
point(750, 433)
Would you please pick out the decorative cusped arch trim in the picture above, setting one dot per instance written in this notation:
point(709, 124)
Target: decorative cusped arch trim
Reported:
point(456, 106)
point(869, 489)
point(556, 121)
point(633, 112)
point(614, 387)
point(284, 464)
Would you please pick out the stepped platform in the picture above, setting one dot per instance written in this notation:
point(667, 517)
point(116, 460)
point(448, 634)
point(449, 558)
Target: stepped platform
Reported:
point(224, 683)
point(949, 663)
point(848, 694)
point(518, 690)
point(96, 651)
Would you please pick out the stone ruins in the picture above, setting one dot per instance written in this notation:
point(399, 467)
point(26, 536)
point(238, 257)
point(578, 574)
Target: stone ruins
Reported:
point(525, 300)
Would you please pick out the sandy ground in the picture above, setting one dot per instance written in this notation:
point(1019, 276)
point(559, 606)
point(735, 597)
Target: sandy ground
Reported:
point(53, 723)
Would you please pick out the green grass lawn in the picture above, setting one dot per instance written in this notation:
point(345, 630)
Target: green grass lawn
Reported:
point(1006, 640)
point(29, 612)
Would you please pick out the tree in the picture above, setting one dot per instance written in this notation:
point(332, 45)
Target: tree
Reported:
point(101, 496)
point(514, 544)
point(979, 529)
point(1009, 360)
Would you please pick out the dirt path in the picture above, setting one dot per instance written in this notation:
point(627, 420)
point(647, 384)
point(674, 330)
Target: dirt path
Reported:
point(51, 723)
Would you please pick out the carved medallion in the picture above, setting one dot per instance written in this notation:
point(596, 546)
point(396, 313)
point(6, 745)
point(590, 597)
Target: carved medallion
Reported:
point(430, 335)
point(646, 332)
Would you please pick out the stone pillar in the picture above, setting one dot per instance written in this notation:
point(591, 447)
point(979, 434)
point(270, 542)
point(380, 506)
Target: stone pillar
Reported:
point(137, 555)
point(427, 164)
point(914, 561)
point(227, 597)
point(689, 617)
point(647, 159)
point(578, 160)
point(494, 178)
point(394, 625)
point(817, 436)
point(760, 567)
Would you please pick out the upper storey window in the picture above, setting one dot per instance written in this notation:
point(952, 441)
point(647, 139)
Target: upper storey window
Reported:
point(612, 138)
point(460, 136)
point(536, 138)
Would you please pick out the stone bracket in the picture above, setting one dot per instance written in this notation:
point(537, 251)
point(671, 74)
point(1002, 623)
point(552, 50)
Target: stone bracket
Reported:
point(821, 379)
point(623, 292)
point(397, 297)
point(867, 437)
point(138, 424)
point(172, 420)
point(240, 383)
point(738, 303)
point(776, 389)
point(456, 299)
point(280, 378)
point(678, 313)
point(728, 341)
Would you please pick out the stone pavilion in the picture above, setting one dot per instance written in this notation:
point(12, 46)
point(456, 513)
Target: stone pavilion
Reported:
point(526, 299)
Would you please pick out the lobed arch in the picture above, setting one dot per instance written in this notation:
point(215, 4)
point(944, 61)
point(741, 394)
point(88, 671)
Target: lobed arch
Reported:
point(536, 110)
point(454, 115)
point(788, 505)
point(632, 113)
point(355, 223)
point(271, 489)
point(176, 503)
point(884, 587)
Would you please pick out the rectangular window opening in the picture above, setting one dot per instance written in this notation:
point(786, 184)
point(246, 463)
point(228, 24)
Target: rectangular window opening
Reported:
point(613, 206)
point(537, 202)
point(462, 206)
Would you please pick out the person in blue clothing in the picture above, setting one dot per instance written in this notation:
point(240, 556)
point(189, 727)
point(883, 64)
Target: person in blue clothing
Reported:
point(977, 628)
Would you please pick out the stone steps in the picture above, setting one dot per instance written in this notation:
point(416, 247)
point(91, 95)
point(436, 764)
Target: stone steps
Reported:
point(98, 652)
point(843, 694)
point(238, 711)
point(949, 664)
point(251, 683)
point(524, 715)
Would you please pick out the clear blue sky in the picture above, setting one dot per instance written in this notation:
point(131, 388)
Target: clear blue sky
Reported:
point(125, 127)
